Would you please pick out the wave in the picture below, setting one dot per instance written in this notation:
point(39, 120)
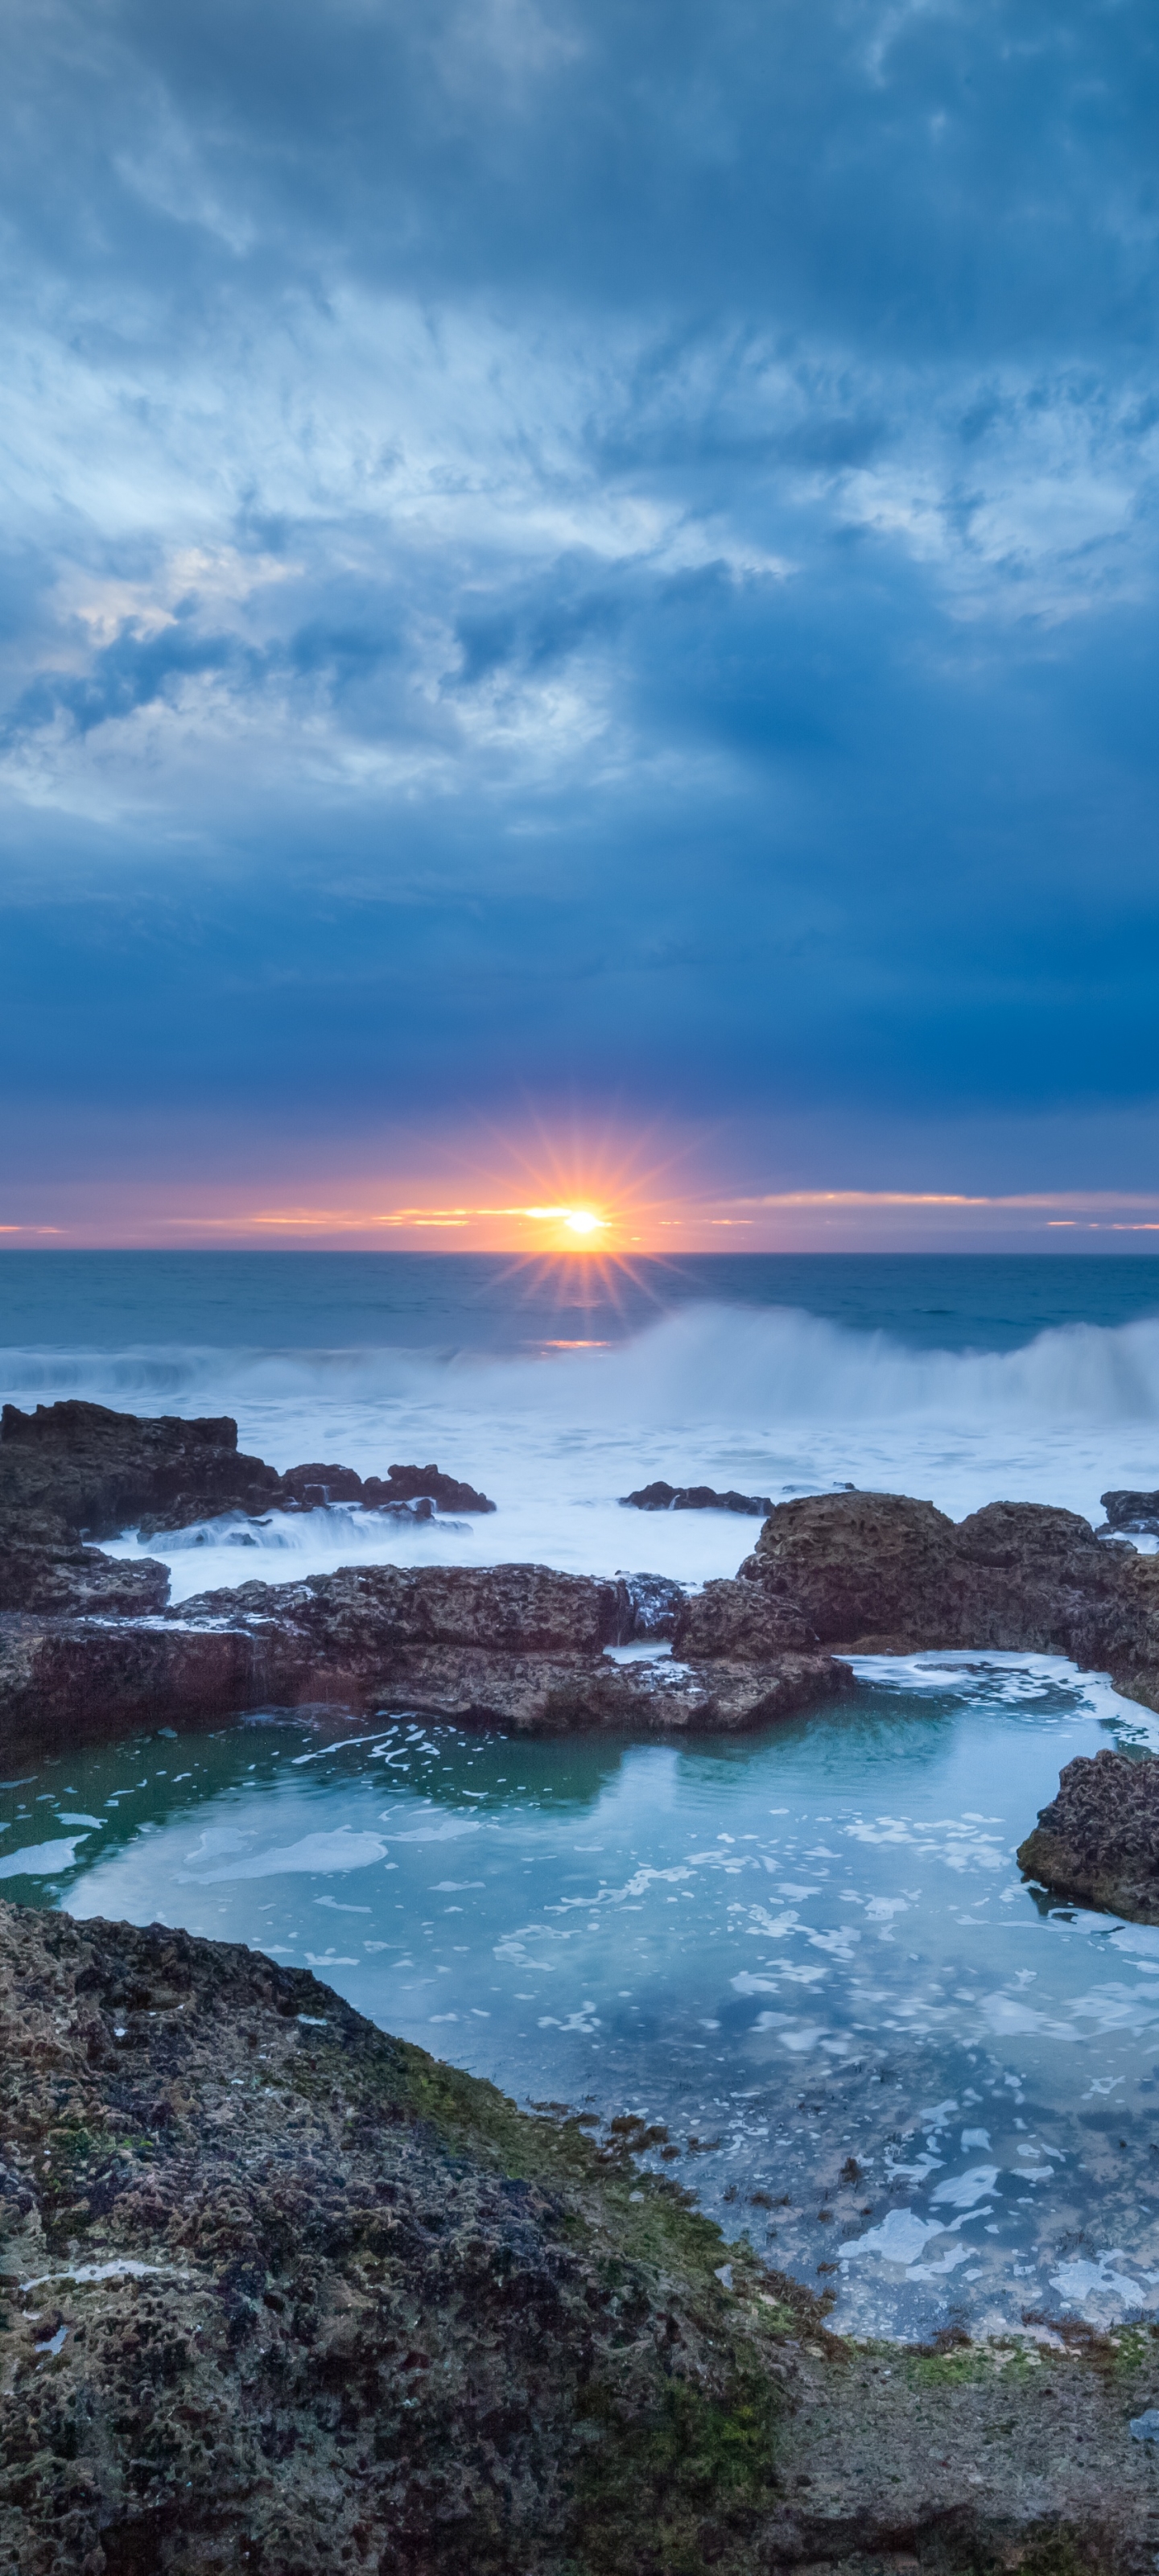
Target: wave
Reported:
point(784, 1367)
point(753, 1368)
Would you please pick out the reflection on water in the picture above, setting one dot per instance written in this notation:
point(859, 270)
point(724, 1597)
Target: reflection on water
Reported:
point(808, 1954)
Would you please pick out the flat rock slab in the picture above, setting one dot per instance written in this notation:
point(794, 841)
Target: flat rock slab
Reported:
point(1099, 1838)
point(70, 1681)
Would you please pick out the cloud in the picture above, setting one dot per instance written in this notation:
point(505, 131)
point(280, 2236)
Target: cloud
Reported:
point(557, 556)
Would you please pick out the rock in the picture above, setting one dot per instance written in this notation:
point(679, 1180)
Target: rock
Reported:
point(745, 1622)
point(72, 1581)
point(1098, 1840)
point(519, 1646)
point(283, 2292)
point(1131, 1512)
point(298, 2296)
point(88, 1649)
point(315, 1485)
point(73, 1471)
point(406, 1489)
point(98, 1472)
point(660, 1497)
point(886, 1573)
point(650, 1603)
point(417, 1484)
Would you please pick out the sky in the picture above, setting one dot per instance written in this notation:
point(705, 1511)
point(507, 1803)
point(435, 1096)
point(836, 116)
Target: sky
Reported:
point(579, 616)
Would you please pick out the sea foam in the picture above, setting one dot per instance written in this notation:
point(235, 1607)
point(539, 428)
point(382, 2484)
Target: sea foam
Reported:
point(772, 1399)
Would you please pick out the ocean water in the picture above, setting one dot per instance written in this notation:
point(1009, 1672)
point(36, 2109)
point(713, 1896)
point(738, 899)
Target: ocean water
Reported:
point(560, 1387)
point(809, 1955)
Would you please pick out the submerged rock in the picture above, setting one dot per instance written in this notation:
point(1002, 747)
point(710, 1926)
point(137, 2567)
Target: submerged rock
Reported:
point(281, 2291)
point(660, 1497)
point(1098, 1840)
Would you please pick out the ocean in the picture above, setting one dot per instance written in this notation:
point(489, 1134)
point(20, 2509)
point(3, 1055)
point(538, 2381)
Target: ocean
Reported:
point(559, 1387)
point(808, 1955)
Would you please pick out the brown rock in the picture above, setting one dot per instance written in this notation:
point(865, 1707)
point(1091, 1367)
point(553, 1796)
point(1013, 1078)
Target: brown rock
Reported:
point(882, 1572)
point(96, 1471)
point(76, 1471)
point(520, 1646)
point(418, 1484)
point(1098, 1840)
point(72, 1581)
point(749, 1622)
point(280, 2291)
point(662, 1497)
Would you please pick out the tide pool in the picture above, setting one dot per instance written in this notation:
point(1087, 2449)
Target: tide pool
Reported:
point(808, 1956)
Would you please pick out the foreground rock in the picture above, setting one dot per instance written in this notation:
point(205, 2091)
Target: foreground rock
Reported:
point(660, 1497)
point(1098, 1840)
point(517, 1646)
point(881, 1573)
point(282, 2292)
point(73, 1472)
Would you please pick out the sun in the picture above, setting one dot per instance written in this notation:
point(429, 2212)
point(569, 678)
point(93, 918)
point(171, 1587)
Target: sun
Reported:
point(581, 1223)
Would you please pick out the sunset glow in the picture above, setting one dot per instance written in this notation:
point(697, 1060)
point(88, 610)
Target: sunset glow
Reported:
point(625, 1213)
point(578, 1220)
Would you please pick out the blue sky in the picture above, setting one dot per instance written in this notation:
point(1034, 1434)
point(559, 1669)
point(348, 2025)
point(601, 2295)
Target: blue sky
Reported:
point(581, 562)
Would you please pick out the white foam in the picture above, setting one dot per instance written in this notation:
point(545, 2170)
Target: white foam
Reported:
point(772, 1400)
point(339, 1850)
point(41, 1860)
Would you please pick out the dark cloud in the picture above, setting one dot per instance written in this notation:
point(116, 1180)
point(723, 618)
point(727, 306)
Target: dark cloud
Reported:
point(592, 550)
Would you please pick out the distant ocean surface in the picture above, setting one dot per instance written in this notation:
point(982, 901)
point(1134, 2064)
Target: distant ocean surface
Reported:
point(558, 1386)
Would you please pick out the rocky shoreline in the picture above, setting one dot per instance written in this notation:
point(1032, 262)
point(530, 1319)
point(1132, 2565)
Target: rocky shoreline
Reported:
point(279, 2291)
point(73, 1473)
point(90, 1648)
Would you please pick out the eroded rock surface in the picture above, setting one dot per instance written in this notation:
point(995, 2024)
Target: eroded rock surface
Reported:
point(82, 1471)
point(73, 1472)
point(519, 1645)
point(1099, 1838)
point(885, 1573)
point(87, 1646)
point(280, 2291)
point(1131, 1511)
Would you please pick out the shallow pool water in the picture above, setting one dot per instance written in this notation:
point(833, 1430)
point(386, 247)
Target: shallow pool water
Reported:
point(807, 1954)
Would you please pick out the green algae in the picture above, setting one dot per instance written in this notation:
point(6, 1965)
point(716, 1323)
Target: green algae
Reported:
point(649, 2487)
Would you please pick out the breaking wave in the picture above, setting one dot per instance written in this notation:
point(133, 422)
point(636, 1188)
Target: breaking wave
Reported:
point(751, 1367)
